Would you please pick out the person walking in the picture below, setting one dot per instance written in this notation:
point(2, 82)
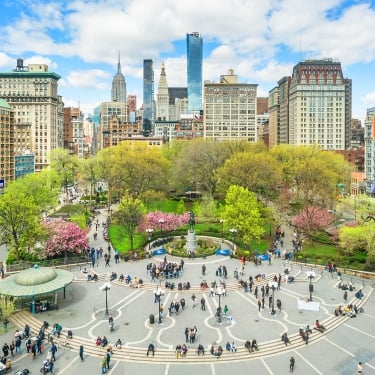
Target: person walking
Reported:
point(53, 351)
point(345, 296)
point(203, 304)
point(259, 304)
point(292, 362)
point(81, 352)
point(360, 368)
point(204, 270)
point(107, 258)
point(193, 298)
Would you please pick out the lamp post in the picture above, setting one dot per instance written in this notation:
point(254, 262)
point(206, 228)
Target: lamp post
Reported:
point(106, 287)
point(311, 275)
point(219, 293)
point(273, 286)
point(161, 222)
point(158, 293)
point(149, 233)
point(233, 231)
point(222, 221)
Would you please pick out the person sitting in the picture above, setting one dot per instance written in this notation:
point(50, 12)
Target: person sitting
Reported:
point(212, 350)
point(118, 344)
point(308, 329)
point(98, 341)
point(359, 294)
point(128, 279)
point(121, 278)
point(233, 347)
point(178, 351)
point(248, 346)
point(151, 349)
point(113, 276)
point(95, 277)
point(302, 333)
point(200, 349)
point(104, 341)
point(285, 339)
point(319, 326)
point(70, 334)
point(219, 352)
point(254, 345)
point(228, 346)
point(184, 350)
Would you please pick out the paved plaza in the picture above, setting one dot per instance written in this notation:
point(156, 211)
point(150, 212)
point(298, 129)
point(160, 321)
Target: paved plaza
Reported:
point(337, 352)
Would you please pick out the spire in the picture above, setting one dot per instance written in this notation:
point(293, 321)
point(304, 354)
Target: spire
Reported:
point(118, 64)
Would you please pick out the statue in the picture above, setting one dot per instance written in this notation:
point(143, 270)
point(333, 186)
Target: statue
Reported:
point(191, 221)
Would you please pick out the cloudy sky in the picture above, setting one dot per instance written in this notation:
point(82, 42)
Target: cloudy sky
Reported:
point(260, 39)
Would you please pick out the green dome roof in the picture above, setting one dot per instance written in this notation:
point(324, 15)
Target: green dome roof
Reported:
point(35, 276)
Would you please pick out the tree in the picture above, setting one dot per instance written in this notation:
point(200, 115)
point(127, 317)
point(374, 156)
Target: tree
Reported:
point(64, 238)
point(311, 219)
point(163, 221)
point(258, 172)
point(20, 225)
point(206, 208)
point(89, 170)
point(242, 212)
point(66, 167)
point(129, 215)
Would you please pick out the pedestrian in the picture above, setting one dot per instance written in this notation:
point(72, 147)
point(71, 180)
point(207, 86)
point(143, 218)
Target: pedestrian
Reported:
point(292, 361)
point(360, 368)
point(187, 334)
point(203, 304)
point(226, 309)
point(345, 296)
point(278, 304)
point(103, 364)
point(81, 352)
point(18, 344)
point(256, 292)
point(151, 349)
point(53, 351)
point(193, 298)
point(11, 348)
point(5, 350)
point(204, 270)
point(212, 292)
point(259, 304)
point(262, 302)
point(269, 301)
point(107, 261)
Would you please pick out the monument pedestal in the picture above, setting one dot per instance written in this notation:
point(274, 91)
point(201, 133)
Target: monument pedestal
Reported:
point(191, 242)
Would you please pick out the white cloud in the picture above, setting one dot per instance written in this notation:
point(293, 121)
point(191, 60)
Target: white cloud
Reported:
point(369, 99)
point(89, 79)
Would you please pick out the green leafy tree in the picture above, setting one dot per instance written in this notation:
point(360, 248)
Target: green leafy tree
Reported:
point(243, 213)
point(206, 208)
point(20, 226)
point(66, 167)
point(129, 216)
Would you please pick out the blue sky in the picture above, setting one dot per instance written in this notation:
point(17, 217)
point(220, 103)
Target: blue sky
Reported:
point(260, 39)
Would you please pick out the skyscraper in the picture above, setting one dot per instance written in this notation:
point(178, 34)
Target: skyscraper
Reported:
point(32, 92)
point(314, 106)
point(162, 101)
point(118, 93)
point(148, 97)
point(194, 45)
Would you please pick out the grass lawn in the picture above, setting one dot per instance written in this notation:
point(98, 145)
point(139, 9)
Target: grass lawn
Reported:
point(121, 243)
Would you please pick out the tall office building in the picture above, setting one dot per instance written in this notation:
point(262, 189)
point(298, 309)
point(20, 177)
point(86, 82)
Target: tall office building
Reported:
point(148, 97)
point(230, 109)
point(194, 44)
point(370, 150)
point(315, 106)
point(162, 98)
point(32, 92)
point(118, 93)
point(6, 144)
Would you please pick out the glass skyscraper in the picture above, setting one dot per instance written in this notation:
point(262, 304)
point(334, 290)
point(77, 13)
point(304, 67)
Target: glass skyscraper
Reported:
point(148, 97)
point(194, 44)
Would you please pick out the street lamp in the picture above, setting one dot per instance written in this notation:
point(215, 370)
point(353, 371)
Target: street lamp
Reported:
point(222, 221)
point(273, 286)
point(149, 233)
point(219, 293)
point(158, 293)
point(233, 231)
point(311, 275)
point(161, 222)
point(106, 287)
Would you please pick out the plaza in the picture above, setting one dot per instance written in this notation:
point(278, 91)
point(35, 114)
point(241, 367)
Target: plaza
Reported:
point(336, 351)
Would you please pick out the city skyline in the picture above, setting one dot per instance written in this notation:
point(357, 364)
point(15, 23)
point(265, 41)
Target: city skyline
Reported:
point(260, 41)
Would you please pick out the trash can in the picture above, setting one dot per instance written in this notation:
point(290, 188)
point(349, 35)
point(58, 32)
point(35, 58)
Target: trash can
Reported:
point(126, 258)
point(152, 318)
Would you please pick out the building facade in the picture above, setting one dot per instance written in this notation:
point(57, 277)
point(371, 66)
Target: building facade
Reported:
point(194, 47)
point(118, 92)
point(117, 131)
point(74, 138)
point(230, 109)
point(162, 98)
point(370, 150)
point(148, 97)
point(6, 144)
point(273, 121)
point(32, 92)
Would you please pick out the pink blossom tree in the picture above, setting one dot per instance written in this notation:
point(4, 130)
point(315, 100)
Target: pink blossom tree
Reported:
point(64, 238)
point(163, 221)
point(311, 219)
